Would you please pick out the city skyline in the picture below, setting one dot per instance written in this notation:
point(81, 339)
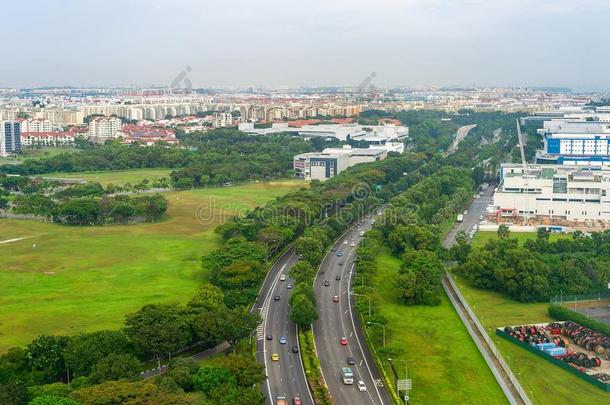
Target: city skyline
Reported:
point(238, 43)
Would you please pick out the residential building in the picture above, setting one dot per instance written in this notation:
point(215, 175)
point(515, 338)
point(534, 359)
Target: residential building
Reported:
point(222, 120)
point(559, 194)
point(102, 129)
point(10, 137)
point(36, 125)
point(148, 136)
point(48, 139)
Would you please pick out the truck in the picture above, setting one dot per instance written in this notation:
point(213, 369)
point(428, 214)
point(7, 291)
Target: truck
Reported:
point(281, 400)
point(460, 217)
point(348, 375)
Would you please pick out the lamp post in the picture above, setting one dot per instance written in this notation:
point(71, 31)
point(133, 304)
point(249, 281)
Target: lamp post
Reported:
point(382, 325)
point(368, 297)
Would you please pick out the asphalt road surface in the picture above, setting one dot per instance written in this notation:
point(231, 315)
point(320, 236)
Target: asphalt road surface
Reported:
point(286, 377)
point(461, 134)
point(337, 320)
point(473, 217)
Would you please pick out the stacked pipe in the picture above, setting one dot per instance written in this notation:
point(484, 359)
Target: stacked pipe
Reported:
point(528, 333)
point(582, 361)
point(603, 377)
point(587, 338)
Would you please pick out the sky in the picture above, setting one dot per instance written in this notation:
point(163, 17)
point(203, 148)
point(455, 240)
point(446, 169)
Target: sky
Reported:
point(287, 43)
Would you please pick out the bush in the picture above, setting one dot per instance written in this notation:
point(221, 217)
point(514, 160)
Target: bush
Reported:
point(564, 314)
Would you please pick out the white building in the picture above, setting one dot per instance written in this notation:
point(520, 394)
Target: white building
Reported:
point(560, 192)
point(222, 120)
point(36, 125)
point(332, 161)
point(47, 139)
point(104, 128)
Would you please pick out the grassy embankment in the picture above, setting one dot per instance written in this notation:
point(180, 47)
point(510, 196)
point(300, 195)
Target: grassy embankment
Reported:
point(444, 364)
point(116, 177)
point(87, 278)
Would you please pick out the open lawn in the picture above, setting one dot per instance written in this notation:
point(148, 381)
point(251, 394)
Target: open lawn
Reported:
point(444, 363)
point(116, 177)
point(546, 383)
point(482, 237)
point(86, 278)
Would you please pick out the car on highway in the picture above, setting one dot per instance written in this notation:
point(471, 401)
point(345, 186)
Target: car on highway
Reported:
point(339, 254)
point(350, 360)
point(361, 386)
point(372, 222)
point(275, 357)
point(281, 400)
point(338, 277)
point(276, 298)
point(352, 244)
point(296, 400)
point(283, 277)
point(340, 262)
point(333, 249)
point(481, 218)
point(343, 341)
point(289, 286)
point(326, 283)
point(269, 336)
point(361, 233)
point(282, 340)
point(336, 298)
point(345, 242)
point(295, 349)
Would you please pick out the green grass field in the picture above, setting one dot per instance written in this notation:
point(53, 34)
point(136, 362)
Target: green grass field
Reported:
point(481, 238)
point(87, 278)
point(444, 363)
point(116, 177)
point(546, 383)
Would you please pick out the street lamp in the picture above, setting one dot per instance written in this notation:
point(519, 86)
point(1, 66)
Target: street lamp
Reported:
point(368, 297)
point(382, 325)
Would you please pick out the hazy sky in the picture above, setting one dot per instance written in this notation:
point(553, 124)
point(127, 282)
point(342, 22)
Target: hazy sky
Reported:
point(306, 42)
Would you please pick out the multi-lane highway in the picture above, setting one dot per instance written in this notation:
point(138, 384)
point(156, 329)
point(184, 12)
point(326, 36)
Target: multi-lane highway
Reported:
point(286, 376)
point(461, 134)
point(338, 320)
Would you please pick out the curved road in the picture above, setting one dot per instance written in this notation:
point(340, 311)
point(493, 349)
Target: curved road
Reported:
point(286, 377)
point(337, 320)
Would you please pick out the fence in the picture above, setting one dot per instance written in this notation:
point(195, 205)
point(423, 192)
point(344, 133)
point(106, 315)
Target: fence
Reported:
point(492, 348)
point(562, 299)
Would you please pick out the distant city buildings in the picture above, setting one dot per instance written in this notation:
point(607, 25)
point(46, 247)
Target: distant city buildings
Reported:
point(102, 129)
point(222, 120)
point(10, 137)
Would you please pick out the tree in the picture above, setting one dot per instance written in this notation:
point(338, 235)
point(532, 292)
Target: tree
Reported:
point(13, 392)
point(542, 234)
point(157, 330)
point(302, 311)
point(209, 377)
point(79, 212)
point(503, 231)
point(419, 278)
point(114, 367)
point(46, 354)
point(208, 298)
point(235, 395)
point(302, 272)
point(85, 350)
point(209, 326)
point(140, 393)
point(246, 369)
point(239, 324)
point(182, 372)
point(53, 400)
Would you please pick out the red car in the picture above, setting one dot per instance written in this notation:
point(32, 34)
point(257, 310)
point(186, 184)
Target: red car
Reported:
point(336, 298)
point(296, 401)
point(343, 341)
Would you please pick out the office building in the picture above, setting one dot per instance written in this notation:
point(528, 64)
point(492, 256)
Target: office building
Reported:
point(332, 161)
point(10, 138)
point(559, 194)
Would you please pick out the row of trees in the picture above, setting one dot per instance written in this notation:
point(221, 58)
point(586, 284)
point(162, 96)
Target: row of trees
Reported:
point(540, 268)
point(155, 331)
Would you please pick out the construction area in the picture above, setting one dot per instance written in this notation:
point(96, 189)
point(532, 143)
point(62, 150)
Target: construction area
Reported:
point(578, 349)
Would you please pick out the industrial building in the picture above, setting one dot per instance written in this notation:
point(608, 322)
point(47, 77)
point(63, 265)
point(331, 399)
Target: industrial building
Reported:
point(332, 161)
point(557, 194)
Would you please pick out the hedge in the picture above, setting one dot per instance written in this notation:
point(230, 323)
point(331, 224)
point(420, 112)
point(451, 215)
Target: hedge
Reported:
point(564, 314)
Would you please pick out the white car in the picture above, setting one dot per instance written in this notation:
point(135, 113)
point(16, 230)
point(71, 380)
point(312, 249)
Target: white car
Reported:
point(361, 233)
point(361, 386)
point(283, 277)
point(352, 244)
point(345, 242)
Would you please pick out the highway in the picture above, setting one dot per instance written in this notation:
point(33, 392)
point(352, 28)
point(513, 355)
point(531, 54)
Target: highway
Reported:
point(461, 134)
point(337, 320)
point(286, 377)
point(472, 217)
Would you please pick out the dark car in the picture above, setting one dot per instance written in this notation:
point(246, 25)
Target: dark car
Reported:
point(276, 298)
point(295, 349)
point(269, 336)
point(334, 249)
point(340, 262)
point(338, 277)
point(326, 283)
point(350, 360)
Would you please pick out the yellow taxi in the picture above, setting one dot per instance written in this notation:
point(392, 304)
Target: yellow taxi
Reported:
point(275, 357)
